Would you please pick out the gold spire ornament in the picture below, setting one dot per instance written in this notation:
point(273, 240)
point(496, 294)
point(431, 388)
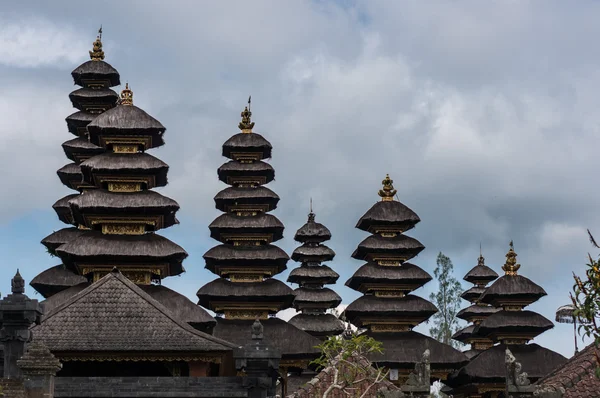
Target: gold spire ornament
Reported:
point(511, 267)
point(388, 191)
point(246, 124)
point(97, 54)
point(126, 96)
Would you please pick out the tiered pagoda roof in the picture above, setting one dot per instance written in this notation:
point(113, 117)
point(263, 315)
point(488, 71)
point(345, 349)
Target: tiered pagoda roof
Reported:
point(479, 276)
point(312, 299)
point(387, 310)
point(246, 260)
point(511, 327)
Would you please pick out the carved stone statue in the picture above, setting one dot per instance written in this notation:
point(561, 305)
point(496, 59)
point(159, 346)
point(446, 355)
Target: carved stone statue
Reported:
point(514, 376)
point(257, 330)
point(422, 374)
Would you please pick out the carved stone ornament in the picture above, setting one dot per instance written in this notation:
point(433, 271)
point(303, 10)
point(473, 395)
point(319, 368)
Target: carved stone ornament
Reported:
point(514, 376)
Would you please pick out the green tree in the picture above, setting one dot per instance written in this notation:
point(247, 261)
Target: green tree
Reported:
point(447, 300)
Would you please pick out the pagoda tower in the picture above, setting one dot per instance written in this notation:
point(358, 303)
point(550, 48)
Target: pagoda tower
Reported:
point(511, 327)
point(387, 310)
point(479, 276)
point(246, 260)
point(311, 298)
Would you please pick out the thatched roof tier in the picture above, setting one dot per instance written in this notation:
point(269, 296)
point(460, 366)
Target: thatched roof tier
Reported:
point(232, 169)
point(60, 237)
point(292, 342)
point(261, 224)
point(78, 121)
point(54, 280)
point(101, 168)
point(315, 298)
point(472, 353)
point(317, 274)
point(473, 294)
point(386, 214)
point(124, 122)
point(411, 309)
point(60, 297)
point(87, 99)
point(404, 349)
point(80, 148)
point(70, 175)
point(511, 289)
point(489, 366)
point(96, 72)
point(104, 331)
point(476, 312)
point(247, 143)
point(407, 276)
point(481, 274)
point(95, 248)
point(312, 231)
point(400, 246)
point(464, 333)
point(229, 256)
point(320, 325)
point(311, 252)
point(63, 209)
point(94, 204)
point(249, 197)
point(513, 323)
point(220, 292)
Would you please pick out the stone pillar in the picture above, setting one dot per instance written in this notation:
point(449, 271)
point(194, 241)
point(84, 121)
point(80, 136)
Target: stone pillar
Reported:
point(17, 313)
point(260, 363)
point(39, 367)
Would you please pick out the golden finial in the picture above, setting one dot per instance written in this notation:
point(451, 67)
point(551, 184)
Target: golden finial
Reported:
point(388, 191)
point(127, 96)
point(246, 124)
point(511, 267)
point(97, 54)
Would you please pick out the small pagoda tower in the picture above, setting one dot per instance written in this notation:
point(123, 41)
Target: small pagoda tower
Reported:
point(312, 299)
point(511, 327)
point(246, 260)
point(479, 276)
point(387, 310)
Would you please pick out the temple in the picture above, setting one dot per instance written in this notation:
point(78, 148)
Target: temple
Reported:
point(512, 328)
point(311, 298)
point(387, 310)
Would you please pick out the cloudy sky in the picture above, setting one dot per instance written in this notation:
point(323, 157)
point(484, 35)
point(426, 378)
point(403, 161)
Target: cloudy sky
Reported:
point(484, 114)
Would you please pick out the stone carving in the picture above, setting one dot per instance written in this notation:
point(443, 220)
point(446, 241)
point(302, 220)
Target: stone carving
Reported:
point(422, 374)
point(257, 330)
point(514, 376)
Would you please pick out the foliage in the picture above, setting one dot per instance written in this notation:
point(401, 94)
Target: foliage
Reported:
point(586, 299)
point(447, 300)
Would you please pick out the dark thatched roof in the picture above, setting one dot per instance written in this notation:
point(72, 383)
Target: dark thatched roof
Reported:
point(319, 324)
point(80, 146)
point(472, 294)
point(472, 353)
point(93, 247)
point(408, 306)
point(222, 290)
point(576, 376)
point(312, 231)
point(400, 245)
point(313, 274)
point(83, 97)
point(63, 209)
point(260, 224)
point(60, 237)
point(124, 204)
point(407, 274)
point(309, 252)
point(88, 322)
point(255, 169)
point(388, 214)
point(528, 323)
point(513, 287)
point(259, 195)
point(464, 333)
point(404, 349)
point(235, 256)
point(476, 311)
point(60, 297)
point(70, 175)
point(126, 120)
point(130, 164)
point(54, 280)
point(77, 122)
point(481, 274)
point(95, 71)
point(306, 296)
point(289, 340)
point(489, 366)
point(250, 143)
